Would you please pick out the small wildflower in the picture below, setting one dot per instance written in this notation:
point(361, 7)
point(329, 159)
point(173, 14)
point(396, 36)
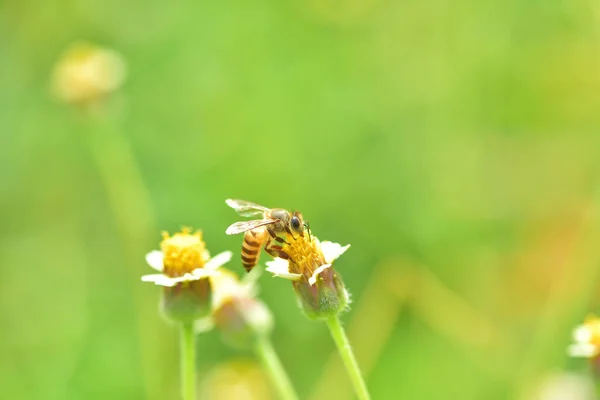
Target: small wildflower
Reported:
point(565, 386)
point(319, 286)
point(586, 338)
point(86, 73)
point(237, 313)
point(185, 265)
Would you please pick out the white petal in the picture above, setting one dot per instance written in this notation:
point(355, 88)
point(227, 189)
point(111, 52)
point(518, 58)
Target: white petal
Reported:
point(279, 268)
point(200, 273)
point(286, 275)
point(277, 265)
point(331, 250)
point(582, 334)
point(218, 260)
point(158, 279)
point(155, 259)
point(163, 280)
point(582, 350)
point(313, 279)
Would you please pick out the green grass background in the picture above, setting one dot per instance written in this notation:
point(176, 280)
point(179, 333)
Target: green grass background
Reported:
point(454, 138)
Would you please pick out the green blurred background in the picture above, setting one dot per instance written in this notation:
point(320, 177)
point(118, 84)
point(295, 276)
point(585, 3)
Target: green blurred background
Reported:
point(454, 145)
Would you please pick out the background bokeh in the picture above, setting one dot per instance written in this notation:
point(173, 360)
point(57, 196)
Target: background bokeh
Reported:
point(454, 145)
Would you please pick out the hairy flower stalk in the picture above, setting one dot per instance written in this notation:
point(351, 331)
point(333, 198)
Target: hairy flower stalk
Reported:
point(87, 78)
point(320, 291)
point(185, 266)
point(246, 322)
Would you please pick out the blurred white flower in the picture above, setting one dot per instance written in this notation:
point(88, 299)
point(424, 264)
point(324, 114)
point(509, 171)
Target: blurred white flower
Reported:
point(586, 339)
point(566, 386)
point(236, 311)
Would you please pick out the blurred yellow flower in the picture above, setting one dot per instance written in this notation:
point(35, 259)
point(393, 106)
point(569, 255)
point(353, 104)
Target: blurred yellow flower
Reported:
point(86, 73)
point(183, 258)
point(586, 338)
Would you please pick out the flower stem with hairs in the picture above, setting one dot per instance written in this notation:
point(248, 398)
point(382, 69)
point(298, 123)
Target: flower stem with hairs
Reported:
point(268, 356)
point(343, 345)
point(188, 362)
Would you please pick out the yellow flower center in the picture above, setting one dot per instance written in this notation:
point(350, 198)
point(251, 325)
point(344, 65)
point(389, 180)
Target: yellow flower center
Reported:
point(182, 253)
point(305, 255)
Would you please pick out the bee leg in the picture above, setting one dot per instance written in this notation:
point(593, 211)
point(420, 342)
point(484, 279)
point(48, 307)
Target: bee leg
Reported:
point(275, 237)
point(277, 251)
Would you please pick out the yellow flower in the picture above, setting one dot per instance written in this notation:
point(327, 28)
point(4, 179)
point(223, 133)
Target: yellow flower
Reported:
point(319, 287)
point(183, 258)
point(587, 339)
point(310, 259)
point(86, 73)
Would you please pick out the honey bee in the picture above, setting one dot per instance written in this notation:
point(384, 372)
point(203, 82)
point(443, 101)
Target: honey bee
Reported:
point(275, 223)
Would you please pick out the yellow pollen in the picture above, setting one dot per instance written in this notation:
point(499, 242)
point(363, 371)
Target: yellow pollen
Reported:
point(305, 256)
point(182, 253)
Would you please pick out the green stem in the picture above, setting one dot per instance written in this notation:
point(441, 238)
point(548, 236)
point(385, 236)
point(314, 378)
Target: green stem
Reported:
point(343, 345)
point(271, 363)
point(188, 362)
point(129, 200)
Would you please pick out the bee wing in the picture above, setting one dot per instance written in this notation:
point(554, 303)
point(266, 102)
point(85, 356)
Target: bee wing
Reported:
point(246, 208)
point(244, 226)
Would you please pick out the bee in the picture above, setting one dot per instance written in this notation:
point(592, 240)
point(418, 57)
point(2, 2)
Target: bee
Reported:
point(266, 232)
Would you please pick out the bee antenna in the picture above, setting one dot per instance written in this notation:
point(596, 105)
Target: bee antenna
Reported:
point(307, 226)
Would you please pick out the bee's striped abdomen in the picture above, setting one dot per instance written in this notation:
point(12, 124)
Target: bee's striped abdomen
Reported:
point(253, 241)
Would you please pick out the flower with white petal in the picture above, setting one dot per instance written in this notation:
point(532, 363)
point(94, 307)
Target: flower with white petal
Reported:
point(185, 266)
point(319, 287)
point(586, 339)
point(183, 258)
point(310, 259)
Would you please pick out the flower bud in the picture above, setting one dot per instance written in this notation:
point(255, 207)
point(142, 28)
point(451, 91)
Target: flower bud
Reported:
point(327, 297)
point(187, 301)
